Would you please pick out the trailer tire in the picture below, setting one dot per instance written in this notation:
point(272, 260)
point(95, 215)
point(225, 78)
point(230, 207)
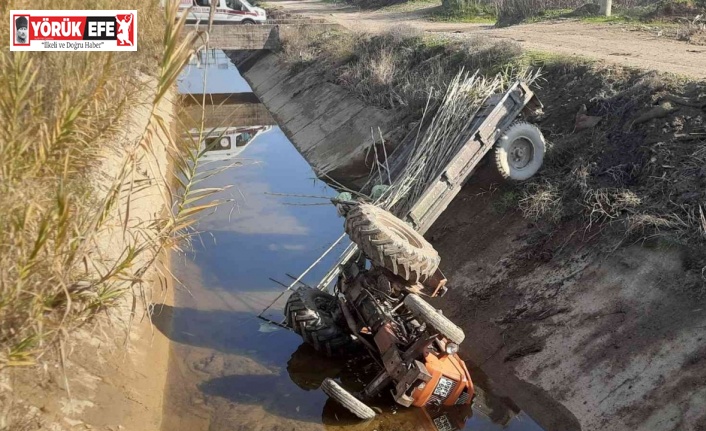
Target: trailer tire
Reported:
point(426, 313)
point(315, 316)
point(346, 399)
point(391, 243)
point(519, 153)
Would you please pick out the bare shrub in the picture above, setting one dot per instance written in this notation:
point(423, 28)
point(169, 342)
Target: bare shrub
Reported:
point(689, 28)
point(383, 67)
point(402, 32)
point(580, 176)
point(605, 205)
point(649, 224)
point(541, 201)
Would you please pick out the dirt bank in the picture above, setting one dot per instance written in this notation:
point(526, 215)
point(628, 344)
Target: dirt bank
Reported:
point(112, 371)
point(607, 322)
point(613, 333)
point(600, 42)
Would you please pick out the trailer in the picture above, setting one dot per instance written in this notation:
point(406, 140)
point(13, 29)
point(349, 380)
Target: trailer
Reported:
point(489, 128)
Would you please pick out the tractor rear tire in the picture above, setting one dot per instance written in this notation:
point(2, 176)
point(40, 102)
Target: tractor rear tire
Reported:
point(391, 243)
point(315, 316)
point(347, 400)
point(426, 313)
point(519, 153)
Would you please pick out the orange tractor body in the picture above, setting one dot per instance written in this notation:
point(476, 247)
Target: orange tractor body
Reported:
point(450, 382)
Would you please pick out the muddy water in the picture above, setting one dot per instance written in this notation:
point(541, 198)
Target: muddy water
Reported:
point(230, 370)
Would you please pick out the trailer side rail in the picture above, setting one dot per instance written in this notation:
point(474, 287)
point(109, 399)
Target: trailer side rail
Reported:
point(494, 118)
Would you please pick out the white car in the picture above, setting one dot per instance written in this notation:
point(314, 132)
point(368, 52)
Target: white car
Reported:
point(227, 11)
point(225, 143)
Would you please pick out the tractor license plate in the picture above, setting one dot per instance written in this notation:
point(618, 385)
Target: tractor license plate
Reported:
point(443, 389)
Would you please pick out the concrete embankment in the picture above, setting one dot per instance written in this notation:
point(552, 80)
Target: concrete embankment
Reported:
point(329, 126)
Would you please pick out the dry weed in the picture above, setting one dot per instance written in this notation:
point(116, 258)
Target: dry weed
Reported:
point(606, 205)
point(649, 224)
point(691, 28)
point(383, 67)
point(542, 201)
point(400, 69)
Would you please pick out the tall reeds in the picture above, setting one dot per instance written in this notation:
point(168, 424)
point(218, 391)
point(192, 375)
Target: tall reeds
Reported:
point(62, 115)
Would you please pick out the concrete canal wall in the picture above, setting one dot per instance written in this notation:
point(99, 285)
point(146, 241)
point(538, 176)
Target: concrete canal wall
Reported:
point(330, 127)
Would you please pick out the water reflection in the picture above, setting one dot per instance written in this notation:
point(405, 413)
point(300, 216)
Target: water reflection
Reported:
point(226, 143)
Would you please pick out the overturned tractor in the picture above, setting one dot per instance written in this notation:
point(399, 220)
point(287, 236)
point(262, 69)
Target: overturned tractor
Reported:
point(377, 298)
point(379, 307)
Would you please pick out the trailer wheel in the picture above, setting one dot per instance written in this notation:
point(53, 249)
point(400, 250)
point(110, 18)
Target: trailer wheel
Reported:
point(346, 399)
point(391, 243)
point(315, 316)
point(426, 313)
point(519, 153)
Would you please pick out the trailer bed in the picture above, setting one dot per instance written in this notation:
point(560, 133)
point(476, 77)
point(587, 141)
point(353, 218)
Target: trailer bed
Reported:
point(496, 114)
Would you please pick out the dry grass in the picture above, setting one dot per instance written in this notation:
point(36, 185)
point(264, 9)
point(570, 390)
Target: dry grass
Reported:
point(693, 30)
point(515, 11)
point(541, 201)
point(57, 113)
point(641, 181)
point(400, 69)
point(601, 177)
point(605, 205)
point(509, 12)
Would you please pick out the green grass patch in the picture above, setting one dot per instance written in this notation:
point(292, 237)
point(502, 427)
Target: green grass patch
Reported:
point(459, 11)
point(607, 19)
point(507, 201)
point(545, 59)
point(411, 6)
point(464, 17)
point(548, 15)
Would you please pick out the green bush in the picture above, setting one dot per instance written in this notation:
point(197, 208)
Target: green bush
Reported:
point(469, 8)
